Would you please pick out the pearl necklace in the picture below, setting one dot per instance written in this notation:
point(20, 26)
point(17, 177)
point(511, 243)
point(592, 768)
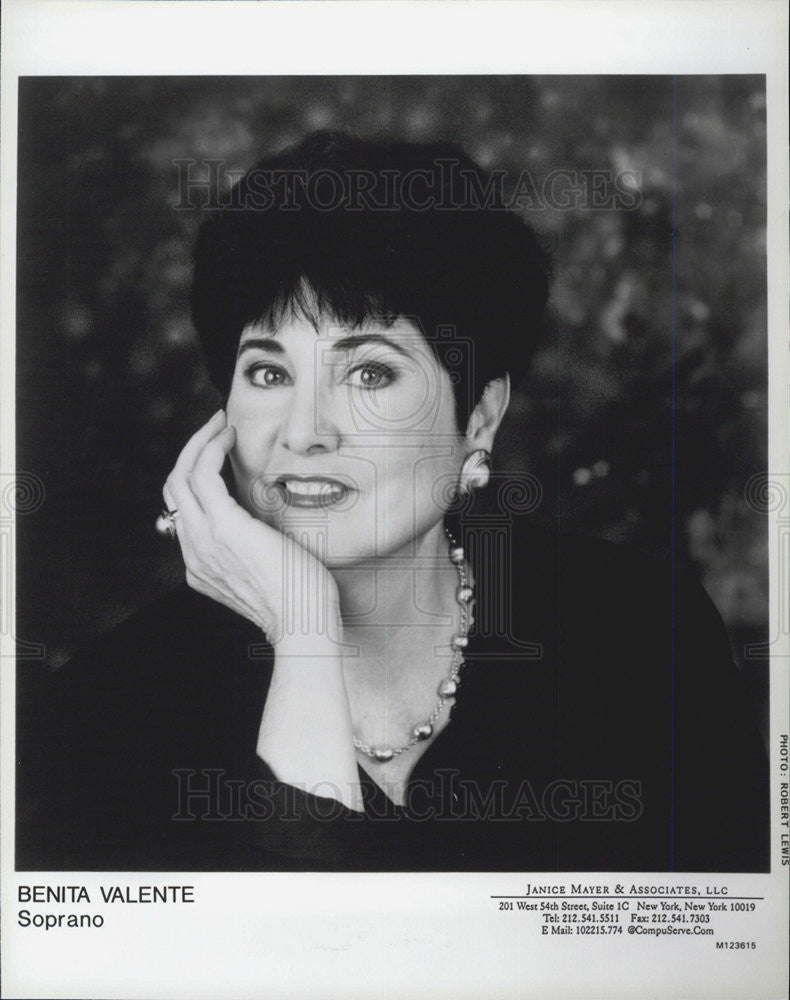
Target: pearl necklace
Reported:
point(448, 687)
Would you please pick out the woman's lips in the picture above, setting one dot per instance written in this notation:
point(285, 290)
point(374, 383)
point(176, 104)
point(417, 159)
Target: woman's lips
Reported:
point(311, 491)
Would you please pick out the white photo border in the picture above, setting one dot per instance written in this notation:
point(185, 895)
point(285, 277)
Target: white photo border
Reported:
point(350, 935)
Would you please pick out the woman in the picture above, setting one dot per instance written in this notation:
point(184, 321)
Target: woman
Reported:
point(362, 673)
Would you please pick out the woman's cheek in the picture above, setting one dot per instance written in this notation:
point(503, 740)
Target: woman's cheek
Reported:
point(249, 457)
point(241, 404)
point(425, 475)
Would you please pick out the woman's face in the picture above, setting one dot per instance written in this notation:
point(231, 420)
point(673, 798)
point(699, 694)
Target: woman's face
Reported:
point(344, 437)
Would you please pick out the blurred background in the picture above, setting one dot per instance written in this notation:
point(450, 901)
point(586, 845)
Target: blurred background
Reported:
point(110, 383)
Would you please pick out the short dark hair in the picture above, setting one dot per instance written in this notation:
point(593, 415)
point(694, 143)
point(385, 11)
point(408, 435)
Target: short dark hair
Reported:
point(379, 229)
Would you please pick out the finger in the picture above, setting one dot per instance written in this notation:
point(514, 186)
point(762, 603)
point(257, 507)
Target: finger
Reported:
point(170, 503)
point(205, 480)
point(166, 522)
point(189, 523)
point(194, 446)
point(179, 480)
point(173, 504)
point(182, 499)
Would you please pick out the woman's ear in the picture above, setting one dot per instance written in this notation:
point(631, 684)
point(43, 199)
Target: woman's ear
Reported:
point(487, 415)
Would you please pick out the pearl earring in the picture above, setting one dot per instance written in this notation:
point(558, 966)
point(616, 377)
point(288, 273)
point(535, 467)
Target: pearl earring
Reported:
point(475, 472)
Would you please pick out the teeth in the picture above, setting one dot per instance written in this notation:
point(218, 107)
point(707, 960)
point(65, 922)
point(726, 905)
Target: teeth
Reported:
point(311, 489)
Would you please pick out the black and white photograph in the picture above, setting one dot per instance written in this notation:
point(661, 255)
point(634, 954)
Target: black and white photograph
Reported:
point(435, 594)
point(392, 491)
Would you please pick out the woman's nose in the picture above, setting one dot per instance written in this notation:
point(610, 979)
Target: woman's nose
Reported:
point(308, 426)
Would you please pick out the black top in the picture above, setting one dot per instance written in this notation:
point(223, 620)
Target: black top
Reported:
point(600, 725)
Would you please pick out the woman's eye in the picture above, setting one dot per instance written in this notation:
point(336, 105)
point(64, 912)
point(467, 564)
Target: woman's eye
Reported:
point(267, 376)
point(372, 376)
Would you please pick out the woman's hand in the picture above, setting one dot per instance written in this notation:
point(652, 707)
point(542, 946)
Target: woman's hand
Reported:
point(230, 556)
point(305, 734)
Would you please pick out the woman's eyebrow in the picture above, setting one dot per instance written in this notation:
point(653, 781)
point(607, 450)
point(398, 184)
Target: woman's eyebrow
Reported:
point(342, 344)
point(263, 343)
point(358, 340)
